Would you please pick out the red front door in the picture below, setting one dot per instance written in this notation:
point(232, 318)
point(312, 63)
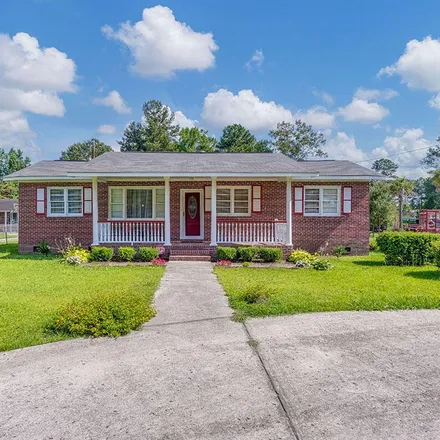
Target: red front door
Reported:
point(192, 214)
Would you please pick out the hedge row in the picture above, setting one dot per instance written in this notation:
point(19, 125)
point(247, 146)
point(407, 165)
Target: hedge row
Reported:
point(249, 253)
point(125, 253)
point(407, 248)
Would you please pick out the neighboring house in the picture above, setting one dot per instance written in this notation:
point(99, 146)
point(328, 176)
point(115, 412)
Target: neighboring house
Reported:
point(8, 215)
point(192, 202)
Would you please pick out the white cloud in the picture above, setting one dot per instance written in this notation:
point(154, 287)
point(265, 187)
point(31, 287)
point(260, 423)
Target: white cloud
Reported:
point(401, 147)
point(326, 97)
point(361, 110)
point(31, 77)
point(161, 45)
point(419, 66)
point(106, 129)
point(222, 108)
point(434, 102)
point(183, 121)
point(35, 101)
point(24, 65)
point(115, 101)
point(343, 146)
point(375, 94)
point(318, 117)
point(256, 61)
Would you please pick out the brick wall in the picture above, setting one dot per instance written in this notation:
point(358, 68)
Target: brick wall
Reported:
point(351, 230)
point(309, 233)
point(35, 227)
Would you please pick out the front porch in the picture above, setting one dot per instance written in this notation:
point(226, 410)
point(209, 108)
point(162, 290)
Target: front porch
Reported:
point(207, 212)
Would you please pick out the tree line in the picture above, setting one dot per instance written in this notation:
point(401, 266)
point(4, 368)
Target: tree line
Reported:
point(159, 132)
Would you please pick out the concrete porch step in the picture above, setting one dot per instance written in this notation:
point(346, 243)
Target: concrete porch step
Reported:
point(190, 258)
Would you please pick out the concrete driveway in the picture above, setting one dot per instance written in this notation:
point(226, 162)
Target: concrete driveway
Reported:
point(192, 373)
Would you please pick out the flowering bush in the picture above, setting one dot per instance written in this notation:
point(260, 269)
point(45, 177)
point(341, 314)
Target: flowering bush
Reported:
point(224, 263)
point(300, 255)
point(74, 260)
point(158, 262)
point(302, 264)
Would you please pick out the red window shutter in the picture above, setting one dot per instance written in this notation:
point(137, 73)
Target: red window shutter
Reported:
point(256, 198)
point(346, 200)
point(41, 199)
point(298, 194)
point(87, 200)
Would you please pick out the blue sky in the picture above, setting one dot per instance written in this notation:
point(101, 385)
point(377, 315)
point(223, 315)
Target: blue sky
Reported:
point(367, 74)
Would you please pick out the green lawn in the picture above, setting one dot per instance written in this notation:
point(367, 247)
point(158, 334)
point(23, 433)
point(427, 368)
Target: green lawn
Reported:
point(33, 288)
point(354, 283)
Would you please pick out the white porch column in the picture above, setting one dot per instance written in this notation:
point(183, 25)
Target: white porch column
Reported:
point(167, 213)
point(289, 212)
point(95, 214)
point(214, 212)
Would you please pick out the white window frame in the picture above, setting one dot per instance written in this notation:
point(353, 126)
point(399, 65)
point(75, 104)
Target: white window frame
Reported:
point(232, 200)
point(321, 191)
point(124, 202)
point(66, 202)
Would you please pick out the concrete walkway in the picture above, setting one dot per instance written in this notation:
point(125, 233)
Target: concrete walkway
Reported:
point(189, 374)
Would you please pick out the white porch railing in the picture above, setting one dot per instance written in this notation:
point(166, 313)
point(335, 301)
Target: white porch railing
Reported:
point(132, 232)
point(251, 232)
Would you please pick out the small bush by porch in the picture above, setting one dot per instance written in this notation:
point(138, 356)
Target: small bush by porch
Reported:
point(354, 283)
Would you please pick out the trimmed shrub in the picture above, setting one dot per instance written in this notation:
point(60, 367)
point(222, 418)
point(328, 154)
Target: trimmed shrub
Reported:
point(321, 265)
point(127, 253)
point(257, 294)
point(406, 248)
point(101, 253)
point(247, 253)
point(300, 255)
point(435, 248)
point(373, 245)
point(103, 315)
point(148, 253)
point(270, 255)
point(226, 253)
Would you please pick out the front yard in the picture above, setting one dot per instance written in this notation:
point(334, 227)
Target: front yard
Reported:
point(354, 283)
point(33, 289)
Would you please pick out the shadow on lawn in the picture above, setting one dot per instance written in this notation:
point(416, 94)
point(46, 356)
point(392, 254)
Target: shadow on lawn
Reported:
point(370, 263)
point(425, 275)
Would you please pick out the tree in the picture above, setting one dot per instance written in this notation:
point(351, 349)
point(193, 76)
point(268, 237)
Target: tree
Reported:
point(382, 206)
point(158, 133)
point(436, 178)
point(86, 150)
point(236, 139)
point(11, 161)
point(425, 194)
point(195, 140)
point(432, 158)
point(297, 140)
point(262, 146)
point(401, 188)
point(161, 132)
point(133, 138)
point(385, 166)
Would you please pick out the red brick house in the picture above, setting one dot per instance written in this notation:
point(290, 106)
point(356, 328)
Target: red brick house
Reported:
point(192, 202)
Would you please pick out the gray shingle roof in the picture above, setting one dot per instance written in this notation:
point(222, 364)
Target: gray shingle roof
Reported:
point(50, 168)
point(8, 205)
point(238, 164)
point(193, 163)
point(337, 168)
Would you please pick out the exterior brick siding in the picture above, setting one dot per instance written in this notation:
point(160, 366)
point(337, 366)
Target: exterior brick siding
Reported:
point(310, 233)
